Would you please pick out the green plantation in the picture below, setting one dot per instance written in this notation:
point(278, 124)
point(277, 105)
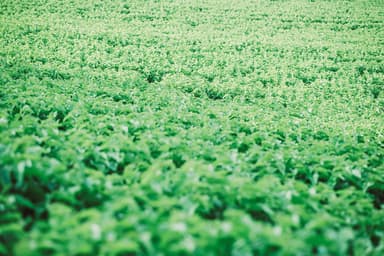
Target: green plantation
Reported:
point(183, 127)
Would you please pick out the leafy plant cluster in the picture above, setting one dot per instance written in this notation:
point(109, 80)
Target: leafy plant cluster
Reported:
point(191, 128)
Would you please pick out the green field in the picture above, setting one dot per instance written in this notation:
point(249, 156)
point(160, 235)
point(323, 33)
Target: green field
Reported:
point(185, 127)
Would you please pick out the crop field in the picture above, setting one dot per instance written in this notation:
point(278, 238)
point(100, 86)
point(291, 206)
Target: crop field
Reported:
point(190, 127)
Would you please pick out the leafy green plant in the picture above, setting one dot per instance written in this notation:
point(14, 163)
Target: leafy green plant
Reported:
point(191, 128)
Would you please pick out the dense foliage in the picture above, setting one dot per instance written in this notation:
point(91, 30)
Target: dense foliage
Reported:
point(190, 127)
